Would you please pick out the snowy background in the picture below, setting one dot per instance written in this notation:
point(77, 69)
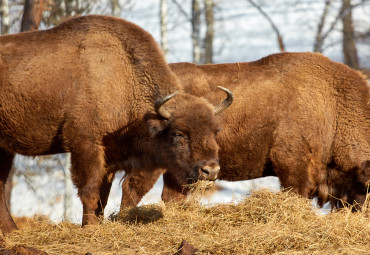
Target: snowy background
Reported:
point(42, 192)
point(241, 34)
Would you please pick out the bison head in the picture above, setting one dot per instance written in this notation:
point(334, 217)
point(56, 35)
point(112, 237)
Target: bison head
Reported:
point(184, 131)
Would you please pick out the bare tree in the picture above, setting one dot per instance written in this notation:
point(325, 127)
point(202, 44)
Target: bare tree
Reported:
point(202, 45)
point(320, 37)
point(58, 10)
point(32, 15)
point(208, 40)
point(349, 43)
point(322, 34)
point(274, 27)
point(71, 7)
point(195, 35)
point(116, 8)
point(5, 21)
point(164, 34)
point(179, 6)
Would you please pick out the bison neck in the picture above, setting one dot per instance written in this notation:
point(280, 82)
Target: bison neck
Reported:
point(131, 148)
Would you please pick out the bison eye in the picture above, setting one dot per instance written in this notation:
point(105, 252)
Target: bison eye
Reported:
point(178, 137)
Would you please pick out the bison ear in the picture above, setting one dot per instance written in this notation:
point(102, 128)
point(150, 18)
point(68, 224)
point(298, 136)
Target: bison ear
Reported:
point(154, 123)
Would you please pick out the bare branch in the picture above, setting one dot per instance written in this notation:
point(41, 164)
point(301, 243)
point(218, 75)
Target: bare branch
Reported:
point(339, 16)
point(181, 10)
point(319, 40)
point(274, 27)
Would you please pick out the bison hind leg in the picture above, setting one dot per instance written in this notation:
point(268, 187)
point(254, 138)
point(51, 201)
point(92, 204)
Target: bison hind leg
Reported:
point(104, 194)
point(362, 183)
point(350, 186)
point(300, 167)
point(7, 224)
point(88, 171)
point(322, 194)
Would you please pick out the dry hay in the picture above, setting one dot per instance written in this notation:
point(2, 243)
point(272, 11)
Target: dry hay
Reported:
point(264, 223)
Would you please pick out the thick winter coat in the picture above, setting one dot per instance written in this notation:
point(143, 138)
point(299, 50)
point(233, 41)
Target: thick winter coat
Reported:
point(98, 87)
point(298, 116)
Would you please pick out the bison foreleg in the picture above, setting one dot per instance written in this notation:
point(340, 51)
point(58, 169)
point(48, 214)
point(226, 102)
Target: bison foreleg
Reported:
point(7, 224)
point(87, 173)
point(137, 184)
point(104, 194)
point(172, 191)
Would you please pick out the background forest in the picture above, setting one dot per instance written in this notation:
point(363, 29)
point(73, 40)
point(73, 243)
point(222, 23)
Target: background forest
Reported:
point(215, 31)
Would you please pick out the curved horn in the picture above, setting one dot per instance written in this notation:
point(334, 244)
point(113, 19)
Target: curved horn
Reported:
point(226, 103)
point(160, 102)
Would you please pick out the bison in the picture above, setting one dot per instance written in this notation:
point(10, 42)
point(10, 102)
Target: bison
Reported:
point(298, 116)
point(99, 88)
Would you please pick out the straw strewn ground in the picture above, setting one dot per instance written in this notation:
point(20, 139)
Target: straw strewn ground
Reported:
point(264, 223)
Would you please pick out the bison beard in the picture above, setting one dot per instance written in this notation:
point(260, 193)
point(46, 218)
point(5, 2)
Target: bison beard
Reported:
point(298, 116)
point(97, 87)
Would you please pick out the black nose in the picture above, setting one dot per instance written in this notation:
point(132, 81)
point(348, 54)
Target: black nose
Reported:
point(209, 172)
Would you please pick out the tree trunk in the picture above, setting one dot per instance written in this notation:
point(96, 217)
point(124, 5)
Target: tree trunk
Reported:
point(71, 7)
point(164, 35)
point(208, 41)
point(349, 43)
point(32, 15)
point(5, 21)
point(319, 40)
point(195, 35)
point(116, 8)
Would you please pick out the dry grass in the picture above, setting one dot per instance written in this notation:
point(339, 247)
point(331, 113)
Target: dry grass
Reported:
point(264, 223)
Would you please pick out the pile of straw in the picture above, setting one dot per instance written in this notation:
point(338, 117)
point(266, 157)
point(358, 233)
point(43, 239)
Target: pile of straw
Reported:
point(263, 223)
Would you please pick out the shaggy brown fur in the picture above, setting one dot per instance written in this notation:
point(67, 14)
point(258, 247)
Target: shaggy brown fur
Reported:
point(299, 116)
point(88, 87)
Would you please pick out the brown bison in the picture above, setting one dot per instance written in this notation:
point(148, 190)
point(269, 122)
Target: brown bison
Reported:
point(99, 87)
point(298, 116)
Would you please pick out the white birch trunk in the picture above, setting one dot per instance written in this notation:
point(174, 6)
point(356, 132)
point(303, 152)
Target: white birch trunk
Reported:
point(116, 8)
point(5, 21)
point(164, 32)
point(195, 36)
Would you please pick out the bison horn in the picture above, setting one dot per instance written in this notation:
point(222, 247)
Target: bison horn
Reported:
point(160, 102)
point(226, 103)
